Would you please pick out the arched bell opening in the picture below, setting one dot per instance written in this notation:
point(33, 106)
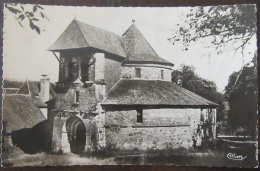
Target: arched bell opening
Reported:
point(76, 133)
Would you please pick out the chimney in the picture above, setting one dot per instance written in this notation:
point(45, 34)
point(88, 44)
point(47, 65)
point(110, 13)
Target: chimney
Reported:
point(45, 88)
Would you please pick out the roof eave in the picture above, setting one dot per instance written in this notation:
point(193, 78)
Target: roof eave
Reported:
point(98, 50)
point(147, 62)
point(108, 106)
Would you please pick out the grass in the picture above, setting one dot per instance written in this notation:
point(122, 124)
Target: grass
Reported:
point(211, 157)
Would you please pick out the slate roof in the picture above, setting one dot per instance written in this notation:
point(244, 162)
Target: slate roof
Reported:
point(32, 88)
point(20, 111)
point(82, 35)
point(131, 45)
point(153, 92)
point(138, 49)
point(10, 90)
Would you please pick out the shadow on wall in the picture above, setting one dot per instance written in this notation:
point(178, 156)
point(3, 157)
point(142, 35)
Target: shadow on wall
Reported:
point(35, 139)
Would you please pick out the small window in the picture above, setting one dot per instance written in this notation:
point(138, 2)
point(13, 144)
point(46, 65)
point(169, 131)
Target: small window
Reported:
point(138, 72)
point(162, 75)
point(77, 97)
point(139, 116)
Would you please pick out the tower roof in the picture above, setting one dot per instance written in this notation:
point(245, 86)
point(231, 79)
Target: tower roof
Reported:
point(131, 45)
point(138, 49)
point(82, 35)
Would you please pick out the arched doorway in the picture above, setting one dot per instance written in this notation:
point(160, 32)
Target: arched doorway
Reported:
point(76, 132)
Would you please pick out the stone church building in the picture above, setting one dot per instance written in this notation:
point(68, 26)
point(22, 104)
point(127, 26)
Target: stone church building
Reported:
point(116, 92)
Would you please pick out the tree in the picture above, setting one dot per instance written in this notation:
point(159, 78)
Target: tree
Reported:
point(188, 79)
point(242, 94)
point(23, 14)
point(233, 25)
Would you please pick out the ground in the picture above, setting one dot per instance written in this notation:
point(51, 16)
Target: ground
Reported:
point(214, 157)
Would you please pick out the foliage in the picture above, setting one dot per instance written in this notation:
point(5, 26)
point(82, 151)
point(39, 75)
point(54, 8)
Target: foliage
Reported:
point(232, 25)
point(12, 84)
point(242, 94)
point(187, 78)
point(23, 14)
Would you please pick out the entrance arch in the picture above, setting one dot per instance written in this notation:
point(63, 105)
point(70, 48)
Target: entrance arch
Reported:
point(76, 134)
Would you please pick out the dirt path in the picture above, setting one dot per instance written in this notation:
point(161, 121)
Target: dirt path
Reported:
point(70, 159)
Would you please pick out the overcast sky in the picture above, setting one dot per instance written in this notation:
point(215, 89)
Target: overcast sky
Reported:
point(25, 53)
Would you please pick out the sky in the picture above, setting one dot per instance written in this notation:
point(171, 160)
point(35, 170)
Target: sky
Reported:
point(25, 52)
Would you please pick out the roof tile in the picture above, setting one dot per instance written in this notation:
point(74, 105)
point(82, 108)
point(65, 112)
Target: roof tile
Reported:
point(153, 92)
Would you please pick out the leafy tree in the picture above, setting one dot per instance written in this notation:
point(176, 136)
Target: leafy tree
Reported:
point(233, 25)
point(242, 94)
point(22, 14)
point(188, 79)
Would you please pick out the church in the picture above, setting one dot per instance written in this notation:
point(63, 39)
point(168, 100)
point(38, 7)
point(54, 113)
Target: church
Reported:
point(116, 92)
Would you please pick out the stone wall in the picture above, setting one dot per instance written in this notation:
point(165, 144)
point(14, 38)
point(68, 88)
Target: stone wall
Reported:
point(161, 129)
point(99, 66)
point(150, 73)
point(156, 138)
point(112, 71)
point(91, 141)
point(60, 142)
point(152, 117)
point(58, 123)
point(100, 131)
point(87, 99)
point(100, 89)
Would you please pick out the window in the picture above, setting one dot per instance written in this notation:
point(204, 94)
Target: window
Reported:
point(77, 97)
point(139, 116)
point(138, 72)
point(162, 75)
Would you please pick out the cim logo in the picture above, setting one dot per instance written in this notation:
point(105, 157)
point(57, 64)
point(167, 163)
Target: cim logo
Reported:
point(233, 156)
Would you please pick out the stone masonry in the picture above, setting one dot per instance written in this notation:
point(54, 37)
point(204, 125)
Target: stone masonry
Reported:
point(178, 129)
point(149, 73)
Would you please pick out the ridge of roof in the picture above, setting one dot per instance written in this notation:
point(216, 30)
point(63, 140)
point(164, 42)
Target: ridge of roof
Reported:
point(71, 33)
point(81, 31)
point(136, 29)
point(96, 27)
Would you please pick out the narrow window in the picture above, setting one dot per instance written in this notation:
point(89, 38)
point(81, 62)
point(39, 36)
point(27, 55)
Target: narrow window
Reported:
point(139, 116)
point(138, 72)
point(77, 96)
point(162, 75)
